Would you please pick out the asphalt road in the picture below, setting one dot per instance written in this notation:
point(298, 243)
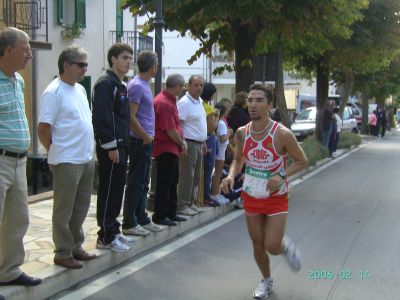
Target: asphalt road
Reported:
point(345, 220)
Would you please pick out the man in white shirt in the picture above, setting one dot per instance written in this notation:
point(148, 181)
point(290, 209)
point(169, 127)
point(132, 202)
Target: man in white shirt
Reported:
point(65, 130)
point(194, 123)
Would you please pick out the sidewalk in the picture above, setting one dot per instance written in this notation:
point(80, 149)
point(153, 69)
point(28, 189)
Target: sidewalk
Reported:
point(39, 250)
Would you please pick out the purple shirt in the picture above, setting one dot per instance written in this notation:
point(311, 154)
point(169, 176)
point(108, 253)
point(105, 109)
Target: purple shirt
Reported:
point(139, 92)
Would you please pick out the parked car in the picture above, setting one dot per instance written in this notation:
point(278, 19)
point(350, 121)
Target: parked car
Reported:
point(304, 124)
point(357, 112)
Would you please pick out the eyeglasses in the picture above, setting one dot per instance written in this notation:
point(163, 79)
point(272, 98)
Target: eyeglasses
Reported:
point(256, 100)
point(80, 64)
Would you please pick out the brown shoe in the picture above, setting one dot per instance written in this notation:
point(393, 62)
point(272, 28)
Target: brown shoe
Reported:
point(69, 263)
point(83, 255)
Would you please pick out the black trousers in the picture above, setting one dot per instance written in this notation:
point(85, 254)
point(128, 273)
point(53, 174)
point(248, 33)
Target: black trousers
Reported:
point(110, 192)
point(165, 200)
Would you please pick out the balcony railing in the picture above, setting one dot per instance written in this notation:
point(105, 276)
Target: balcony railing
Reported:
point(29, 16)
point(135, 39)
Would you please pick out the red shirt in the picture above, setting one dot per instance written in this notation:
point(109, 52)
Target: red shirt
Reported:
point(167, 118)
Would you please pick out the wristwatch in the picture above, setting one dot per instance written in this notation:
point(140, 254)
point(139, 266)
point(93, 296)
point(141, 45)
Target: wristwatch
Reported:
point(282, 174)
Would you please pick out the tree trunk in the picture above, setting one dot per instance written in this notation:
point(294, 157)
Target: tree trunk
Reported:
point(245, 46)
point(364, 124)
point(280, 90)
point(348, 88)
point(322, 66)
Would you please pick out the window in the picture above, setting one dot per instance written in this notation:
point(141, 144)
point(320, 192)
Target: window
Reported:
point(120, 21)
point(71, 12)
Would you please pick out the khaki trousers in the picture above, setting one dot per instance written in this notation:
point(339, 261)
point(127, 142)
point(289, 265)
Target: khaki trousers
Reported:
point(189, 175)
point(14, 217)
point(72, 185)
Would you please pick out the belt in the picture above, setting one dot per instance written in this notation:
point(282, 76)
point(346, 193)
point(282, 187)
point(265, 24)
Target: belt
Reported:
point(13, 154)
point(194, 141)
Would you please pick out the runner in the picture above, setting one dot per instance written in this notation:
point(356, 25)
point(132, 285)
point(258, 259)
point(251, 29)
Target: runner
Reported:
point(263, 145)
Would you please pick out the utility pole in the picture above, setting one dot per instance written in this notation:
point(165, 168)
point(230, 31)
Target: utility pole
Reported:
point(158, 24)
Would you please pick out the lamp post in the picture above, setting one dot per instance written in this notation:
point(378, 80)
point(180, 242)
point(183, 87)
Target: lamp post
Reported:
point(158, 24)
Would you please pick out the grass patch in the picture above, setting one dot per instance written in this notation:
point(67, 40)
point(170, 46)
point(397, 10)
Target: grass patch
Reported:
point(348, 139)
point(314, 150)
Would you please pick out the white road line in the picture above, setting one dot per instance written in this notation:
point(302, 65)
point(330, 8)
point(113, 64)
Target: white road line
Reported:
point(107, 280)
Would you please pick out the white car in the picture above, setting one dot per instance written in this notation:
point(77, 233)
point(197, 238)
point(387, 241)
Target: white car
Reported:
point(304, 124)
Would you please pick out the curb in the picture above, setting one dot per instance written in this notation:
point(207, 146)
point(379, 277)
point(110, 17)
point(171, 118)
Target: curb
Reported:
point(57, 279)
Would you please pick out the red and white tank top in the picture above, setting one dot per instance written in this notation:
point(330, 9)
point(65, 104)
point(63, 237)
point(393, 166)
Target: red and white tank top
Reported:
point(262, 162)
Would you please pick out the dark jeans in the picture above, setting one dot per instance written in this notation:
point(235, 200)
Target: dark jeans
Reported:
point(209, 162)
point(165, 200)
point(110, 193)
point(137, 184)
point(326, 134)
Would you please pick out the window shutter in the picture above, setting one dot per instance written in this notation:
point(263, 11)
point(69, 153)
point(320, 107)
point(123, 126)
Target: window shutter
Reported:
point(60, 12)
point(80, 13)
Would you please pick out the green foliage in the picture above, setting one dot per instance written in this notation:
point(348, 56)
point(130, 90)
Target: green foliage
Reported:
point(314, 150)
point(73, 31)
point(349, 139)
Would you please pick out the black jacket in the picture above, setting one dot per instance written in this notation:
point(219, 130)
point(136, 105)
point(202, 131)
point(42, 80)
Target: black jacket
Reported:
point(110, 113)
point(237, 117)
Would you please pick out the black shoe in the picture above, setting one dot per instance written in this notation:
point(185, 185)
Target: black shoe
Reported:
point(178, 218)
point(2, 297)
point(165, 221)
point(23, 279)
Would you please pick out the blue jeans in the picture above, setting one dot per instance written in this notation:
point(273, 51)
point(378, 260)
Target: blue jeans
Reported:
point(326, 134)
point(137, 184)
point(209, 162)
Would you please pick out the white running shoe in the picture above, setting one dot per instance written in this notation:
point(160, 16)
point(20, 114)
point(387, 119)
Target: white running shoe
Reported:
point(125, 239)
point(152, 227)
point(116, 245)
point(292, 255)
point(263, 289)
point(137, 230)
point(197, 208)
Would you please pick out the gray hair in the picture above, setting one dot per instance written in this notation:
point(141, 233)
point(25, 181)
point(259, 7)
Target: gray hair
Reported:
point(9, 37)
point(69, 55)
point(174, 79)
point(146, 60)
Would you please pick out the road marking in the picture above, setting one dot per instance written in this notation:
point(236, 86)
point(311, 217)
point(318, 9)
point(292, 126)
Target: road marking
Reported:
point(107, 280)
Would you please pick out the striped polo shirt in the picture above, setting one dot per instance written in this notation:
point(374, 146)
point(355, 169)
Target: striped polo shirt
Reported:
point(14, 130)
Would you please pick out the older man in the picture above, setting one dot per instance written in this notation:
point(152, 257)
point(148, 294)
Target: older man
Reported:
point(168, 145)
point(65, 130)
point(14, 143)
point(194, 122)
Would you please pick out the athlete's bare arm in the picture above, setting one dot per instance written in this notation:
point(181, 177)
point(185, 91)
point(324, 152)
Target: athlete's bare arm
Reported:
point(237, 163)
point(286, 143)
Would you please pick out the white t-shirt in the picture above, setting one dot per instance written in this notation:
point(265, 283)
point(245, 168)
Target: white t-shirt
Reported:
point(66, 109)
point(339, 123)
point(193, 117)
point(222, 130)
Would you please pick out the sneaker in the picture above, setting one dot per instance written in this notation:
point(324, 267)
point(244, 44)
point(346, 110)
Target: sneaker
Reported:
point(115, 245)
point(292, 255)
point(223, 200)
point(138, 230)
point(263, 289)
point(125, 239)
point(187, 212)
point(239, 203)
point(152, 227)
point(197, 209)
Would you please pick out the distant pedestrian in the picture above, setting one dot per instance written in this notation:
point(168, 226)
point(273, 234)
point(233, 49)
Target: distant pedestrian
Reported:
point(339, 125)
point(382, 120)
point(372, 120)
point(238, 115)
point(142, 121)
point(168, 146)
point(15, 53)
point(65, 130)
point(209, 91)
point(327, 122)
point(111, 127)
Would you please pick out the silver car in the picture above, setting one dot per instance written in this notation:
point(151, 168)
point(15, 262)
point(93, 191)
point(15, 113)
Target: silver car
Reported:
point(304, 124)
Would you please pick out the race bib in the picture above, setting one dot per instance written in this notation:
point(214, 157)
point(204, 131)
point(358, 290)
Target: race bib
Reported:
point(255, 183)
